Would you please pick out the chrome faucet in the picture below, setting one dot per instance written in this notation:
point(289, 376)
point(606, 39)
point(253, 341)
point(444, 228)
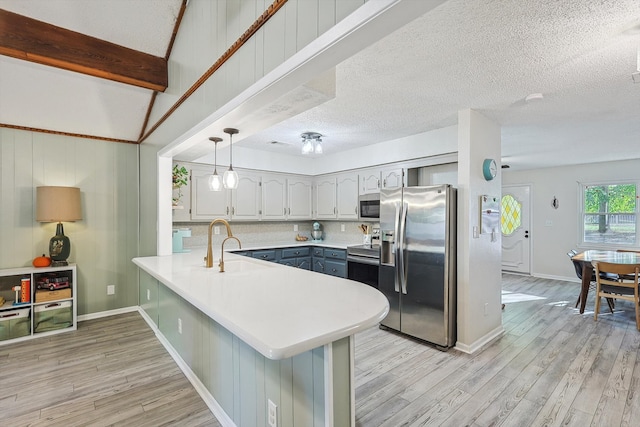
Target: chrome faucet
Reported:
point(209, 258)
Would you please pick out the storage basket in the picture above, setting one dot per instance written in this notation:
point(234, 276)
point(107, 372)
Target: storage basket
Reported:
point(15, 323)
point(49, 317)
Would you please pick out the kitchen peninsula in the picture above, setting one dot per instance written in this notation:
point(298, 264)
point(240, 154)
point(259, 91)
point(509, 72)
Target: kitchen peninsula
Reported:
point(261, 334)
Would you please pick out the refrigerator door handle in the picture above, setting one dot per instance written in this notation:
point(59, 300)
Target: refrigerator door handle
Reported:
point(401, 237)
point(396, 280)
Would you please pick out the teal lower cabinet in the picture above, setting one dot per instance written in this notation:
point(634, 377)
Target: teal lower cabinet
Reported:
point(335, 268)
point(295, 257)
point(237, 382)
point(335, 262)
point(331, 261)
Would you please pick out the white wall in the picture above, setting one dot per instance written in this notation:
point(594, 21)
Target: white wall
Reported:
point(479, 257)
point(551, 243)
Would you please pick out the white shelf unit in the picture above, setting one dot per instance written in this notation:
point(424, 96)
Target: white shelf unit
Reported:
point(60, 306)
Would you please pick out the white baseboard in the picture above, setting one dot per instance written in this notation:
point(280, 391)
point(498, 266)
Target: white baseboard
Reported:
point(481, 342)
point(209, 400)
point(107, 313)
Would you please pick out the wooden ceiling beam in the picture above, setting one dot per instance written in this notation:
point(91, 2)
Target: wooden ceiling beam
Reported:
point(36, 41)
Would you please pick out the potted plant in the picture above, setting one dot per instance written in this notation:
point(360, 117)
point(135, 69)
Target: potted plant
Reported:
point(180, 177)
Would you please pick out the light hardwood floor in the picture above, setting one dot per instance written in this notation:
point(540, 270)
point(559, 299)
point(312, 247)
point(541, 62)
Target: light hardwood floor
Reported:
point(553, 366)
point(111, 371)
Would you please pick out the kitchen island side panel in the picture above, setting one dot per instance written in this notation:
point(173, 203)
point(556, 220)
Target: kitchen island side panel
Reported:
point(241, 380)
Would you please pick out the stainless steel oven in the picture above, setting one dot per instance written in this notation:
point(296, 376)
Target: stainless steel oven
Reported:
point(363, 263)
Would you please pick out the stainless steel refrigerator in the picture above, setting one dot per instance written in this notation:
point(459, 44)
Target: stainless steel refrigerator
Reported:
point(418, 261)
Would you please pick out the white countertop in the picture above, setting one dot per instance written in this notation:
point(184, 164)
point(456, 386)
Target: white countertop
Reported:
point(280, 311)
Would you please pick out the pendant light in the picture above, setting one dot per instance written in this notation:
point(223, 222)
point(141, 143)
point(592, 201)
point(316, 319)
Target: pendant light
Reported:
point(215, 182)
point(230, 178)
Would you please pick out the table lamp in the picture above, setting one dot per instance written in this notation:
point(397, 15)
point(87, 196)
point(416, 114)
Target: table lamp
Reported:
point(58, 204)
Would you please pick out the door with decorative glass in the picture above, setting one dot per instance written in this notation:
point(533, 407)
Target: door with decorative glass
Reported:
point(515, 226)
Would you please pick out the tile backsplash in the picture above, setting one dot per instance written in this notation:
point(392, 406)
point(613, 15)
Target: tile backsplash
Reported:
point(259, 233)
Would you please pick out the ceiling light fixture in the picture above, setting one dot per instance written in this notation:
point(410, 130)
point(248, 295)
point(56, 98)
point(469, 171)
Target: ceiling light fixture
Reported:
point(230, 177)
point(215, 182)
point(311, 143)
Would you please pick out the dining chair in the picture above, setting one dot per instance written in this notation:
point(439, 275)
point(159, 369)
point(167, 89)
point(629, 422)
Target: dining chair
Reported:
point(592, 285)
point(624, 286)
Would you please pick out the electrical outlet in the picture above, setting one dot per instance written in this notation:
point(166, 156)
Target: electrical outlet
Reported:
point(148, 294)
point(295, 227)
point(486, 308)
point(342, 227)
point(111, 289)
point(180, 326)
point(272, 415)
point(216, 229)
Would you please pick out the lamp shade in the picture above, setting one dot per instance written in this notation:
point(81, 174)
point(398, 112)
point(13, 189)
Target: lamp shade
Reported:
point(56, 204)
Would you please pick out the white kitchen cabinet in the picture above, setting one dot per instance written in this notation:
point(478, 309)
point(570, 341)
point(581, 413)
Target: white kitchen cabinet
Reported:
point(392, 178)
point(207, 204)
point(246, 199)
point(299, 192)
point(347, 196)
point(326, 197)
point(274, 197)
point(370, 181)
point(243, 203)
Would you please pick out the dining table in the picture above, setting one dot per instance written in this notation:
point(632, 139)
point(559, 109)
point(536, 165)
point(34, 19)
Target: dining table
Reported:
point(587, 258)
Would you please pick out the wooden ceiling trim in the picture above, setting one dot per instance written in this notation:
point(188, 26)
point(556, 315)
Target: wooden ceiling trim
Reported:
point(258, 23)
point(75, 135)
point(31, 40)
point(152, 102)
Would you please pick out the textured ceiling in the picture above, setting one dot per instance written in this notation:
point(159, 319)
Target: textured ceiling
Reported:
point(483, 54)
point(489, 55)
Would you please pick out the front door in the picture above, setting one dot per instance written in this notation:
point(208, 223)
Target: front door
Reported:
point(515, 225)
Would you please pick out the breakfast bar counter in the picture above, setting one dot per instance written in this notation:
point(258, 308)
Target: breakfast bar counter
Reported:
point(260, 334)
point(278, 310)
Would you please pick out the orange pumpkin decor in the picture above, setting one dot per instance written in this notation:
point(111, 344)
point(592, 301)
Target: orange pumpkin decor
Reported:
point(42, 261)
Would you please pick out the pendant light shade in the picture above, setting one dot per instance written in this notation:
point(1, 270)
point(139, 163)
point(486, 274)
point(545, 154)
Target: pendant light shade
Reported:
point(215, 182)
point(230, 178)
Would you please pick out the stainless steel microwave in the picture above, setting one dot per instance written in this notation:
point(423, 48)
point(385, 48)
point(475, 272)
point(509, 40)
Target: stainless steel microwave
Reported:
point(369, 207)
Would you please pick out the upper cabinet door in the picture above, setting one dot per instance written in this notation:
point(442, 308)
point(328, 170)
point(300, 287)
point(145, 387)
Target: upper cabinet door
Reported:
point(326, 198)
point(370, 182)
point(300, 198)
point(274, 197)
point(247, 197)
point(347, 196)
point(392, 178)
point(207, 204)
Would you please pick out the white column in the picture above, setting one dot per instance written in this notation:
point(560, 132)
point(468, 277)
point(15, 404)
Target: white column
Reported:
point(479, 255)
